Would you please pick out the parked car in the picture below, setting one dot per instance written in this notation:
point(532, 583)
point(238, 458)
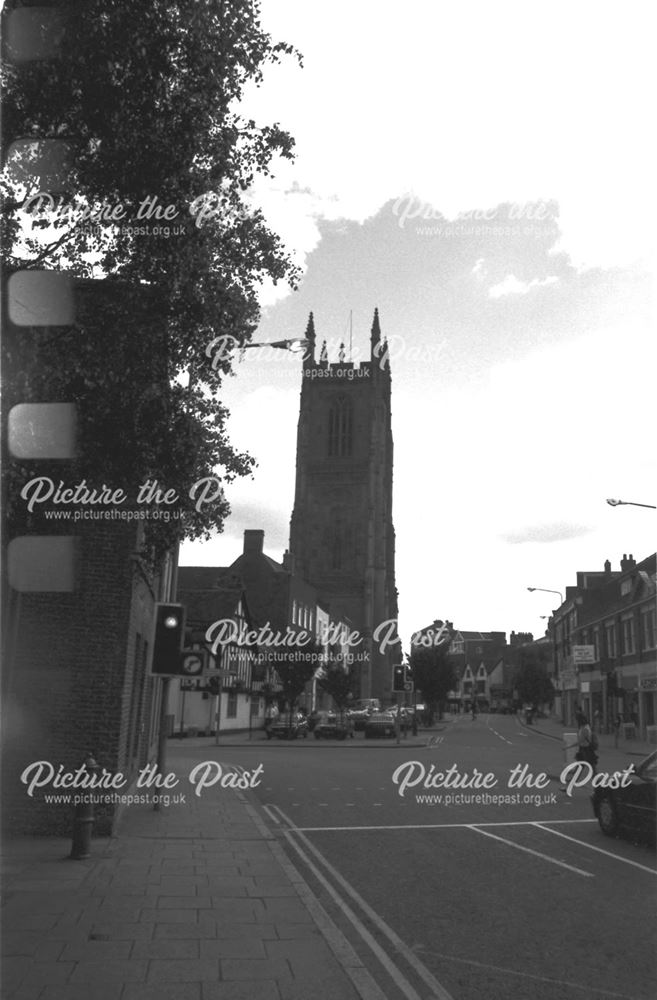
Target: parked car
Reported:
point(381, 725)
point(286, 728)
point(359, 717)
point(629, 810)
point(331, 727)
point(406, 713)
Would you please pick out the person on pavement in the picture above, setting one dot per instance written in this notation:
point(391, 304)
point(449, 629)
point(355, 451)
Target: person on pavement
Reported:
point(586, 742)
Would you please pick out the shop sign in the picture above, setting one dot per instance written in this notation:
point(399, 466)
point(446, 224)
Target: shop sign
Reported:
point(583, 654)
point(569, 680)
point(648, 684)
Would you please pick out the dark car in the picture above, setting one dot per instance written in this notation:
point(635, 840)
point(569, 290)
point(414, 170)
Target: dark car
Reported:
point(629, 810)
point(331, 727)
point(286, 728)
point(381, 726)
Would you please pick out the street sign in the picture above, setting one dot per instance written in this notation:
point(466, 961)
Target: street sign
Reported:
point(192, 663)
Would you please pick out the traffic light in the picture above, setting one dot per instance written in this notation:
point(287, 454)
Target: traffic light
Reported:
point(408, 677)
point(398, 677)
point(168, 638)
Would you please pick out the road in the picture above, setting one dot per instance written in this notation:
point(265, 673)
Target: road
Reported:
point(469, 892)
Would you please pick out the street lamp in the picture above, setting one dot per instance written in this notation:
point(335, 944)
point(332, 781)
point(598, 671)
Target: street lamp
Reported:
point(630, 503)
point(295, 345)
point(546, 590)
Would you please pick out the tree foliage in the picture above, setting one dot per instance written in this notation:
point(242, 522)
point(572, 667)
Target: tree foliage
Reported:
point(434, 673)
point(147, 98)
point(532, 680)
point(294, 673)
point(339, 681)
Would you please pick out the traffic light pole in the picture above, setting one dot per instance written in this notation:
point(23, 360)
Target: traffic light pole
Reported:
point(162, 734)
point(398, 719)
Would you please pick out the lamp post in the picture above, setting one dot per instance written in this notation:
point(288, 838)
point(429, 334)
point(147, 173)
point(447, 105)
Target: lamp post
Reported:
point(546, 590)
point(630, 503)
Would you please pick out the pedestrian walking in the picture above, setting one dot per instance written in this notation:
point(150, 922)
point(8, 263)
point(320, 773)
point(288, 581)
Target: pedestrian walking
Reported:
point(587, 742)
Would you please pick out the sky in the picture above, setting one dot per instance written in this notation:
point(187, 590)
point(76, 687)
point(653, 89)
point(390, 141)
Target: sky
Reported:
point(481, 173)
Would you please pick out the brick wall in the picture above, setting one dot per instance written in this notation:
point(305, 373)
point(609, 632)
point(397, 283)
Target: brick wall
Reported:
point(69, 678)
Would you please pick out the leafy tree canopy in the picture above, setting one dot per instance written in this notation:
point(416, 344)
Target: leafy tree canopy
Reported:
point(532, 680)
point(146, 96)
point(434, 673)
point(339, 681)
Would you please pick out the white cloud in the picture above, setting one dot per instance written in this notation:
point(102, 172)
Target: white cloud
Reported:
point(512, 286)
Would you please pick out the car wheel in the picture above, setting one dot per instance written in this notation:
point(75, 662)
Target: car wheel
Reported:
point(607, 817)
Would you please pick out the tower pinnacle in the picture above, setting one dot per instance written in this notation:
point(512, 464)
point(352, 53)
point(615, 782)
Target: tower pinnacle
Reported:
point(375, 336)
point(310, 337)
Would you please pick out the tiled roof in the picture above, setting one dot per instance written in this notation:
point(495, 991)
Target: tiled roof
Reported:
point(199, 577)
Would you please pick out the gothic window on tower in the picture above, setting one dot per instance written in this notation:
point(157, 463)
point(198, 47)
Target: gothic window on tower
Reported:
point(340, 428)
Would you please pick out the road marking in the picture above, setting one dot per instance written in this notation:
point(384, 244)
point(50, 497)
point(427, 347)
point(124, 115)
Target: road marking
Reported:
point(499, 735)
point(353, 966)
point(440, 993)
point(600, 850)
point(528, 850)
point(429, 826)
point(526, 975)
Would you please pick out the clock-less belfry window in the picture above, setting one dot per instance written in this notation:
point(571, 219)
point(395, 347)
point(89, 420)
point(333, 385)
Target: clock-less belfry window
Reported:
point(340, 428)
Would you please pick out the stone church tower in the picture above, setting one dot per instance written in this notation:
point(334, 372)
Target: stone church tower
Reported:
point(341, 535)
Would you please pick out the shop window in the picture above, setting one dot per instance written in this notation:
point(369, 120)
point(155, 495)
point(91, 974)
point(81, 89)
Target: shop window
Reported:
point(231, 707)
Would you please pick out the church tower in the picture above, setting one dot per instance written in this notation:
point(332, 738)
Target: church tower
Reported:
point(341, 535)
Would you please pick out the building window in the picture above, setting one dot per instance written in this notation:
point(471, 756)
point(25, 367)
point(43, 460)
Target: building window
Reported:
point(231, 706)
point(610, 639)
point(648, 628)
point(596, 643)
point(627, 632)
point(340, 428)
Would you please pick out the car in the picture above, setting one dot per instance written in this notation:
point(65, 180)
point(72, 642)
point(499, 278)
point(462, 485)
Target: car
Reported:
point(359, 717)
point(629, 810)
point(330, 727)
point(381, 725)
point(406, 714)
point(286, 728)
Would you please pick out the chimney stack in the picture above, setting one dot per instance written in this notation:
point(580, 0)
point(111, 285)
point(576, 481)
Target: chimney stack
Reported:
point(253, 542)
point(627, 563)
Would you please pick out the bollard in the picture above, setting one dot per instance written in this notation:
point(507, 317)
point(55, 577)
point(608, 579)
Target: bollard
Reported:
point(569, 747)
point(83, 822)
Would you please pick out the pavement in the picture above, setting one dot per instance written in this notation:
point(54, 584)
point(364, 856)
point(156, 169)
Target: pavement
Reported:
point(194, 902)
point(610, 747)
